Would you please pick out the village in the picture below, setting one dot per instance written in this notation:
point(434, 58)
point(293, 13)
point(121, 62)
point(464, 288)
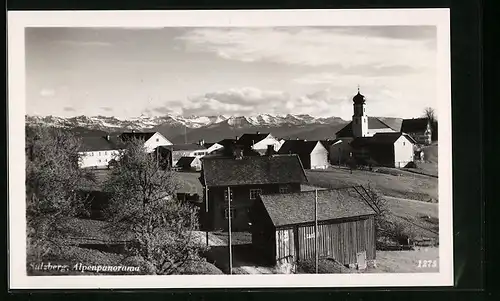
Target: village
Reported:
point(281, 205)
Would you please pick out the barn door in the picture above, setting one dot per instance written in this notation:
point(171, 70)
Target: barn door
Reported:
point(361, 260)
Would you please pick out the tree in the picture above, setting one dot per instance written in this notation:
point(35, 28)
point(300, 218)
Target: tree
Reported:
point(143, 208)
point(53, 178)
point(430, 114)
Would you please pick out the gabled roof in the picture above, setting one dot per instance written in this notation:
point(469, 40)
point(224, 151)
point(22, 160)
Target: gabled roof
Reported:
point(329, 142)
point(191, 146)
point(97, 143)
point(136, 135)
point(414, 125)
point(374, 123)
point(300, 147)
point(185, 161)
point(298, 208)
point(248, 140)
point(227, 142)
point(392, 122)
point(275, 169)
point(380, 139)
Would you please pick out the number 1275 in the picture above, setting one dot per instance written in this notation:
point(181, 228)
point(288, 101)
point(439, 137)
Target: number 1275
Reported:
point(427, 263)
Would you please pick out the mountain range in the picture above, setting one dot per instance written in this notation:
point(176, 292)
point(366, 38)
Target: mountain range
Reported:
point(179, 129)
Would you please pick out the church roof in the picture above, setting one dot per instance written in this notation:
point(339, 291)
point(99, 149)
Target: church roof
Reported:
point(374, 123)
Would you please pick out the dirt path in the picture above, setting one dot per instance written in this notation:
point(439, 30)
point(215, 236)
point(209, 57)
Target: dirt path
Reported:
point(242, 266)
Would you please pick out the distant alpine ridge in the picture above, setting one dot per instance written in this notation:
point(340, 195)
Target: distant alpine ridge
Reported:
point(180, 129)
point(106, 123)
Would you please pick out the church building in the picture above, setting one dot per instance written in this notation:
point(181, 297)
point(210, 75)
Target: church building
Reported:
point(378, 139)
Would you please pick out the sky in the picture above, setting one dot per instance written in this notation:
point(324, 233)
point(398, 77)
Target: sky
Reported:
point(128, 72)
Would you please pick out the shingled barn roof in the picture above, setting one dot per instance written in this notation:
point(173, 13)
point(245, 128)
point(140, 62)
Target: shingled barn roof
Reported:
point(275, 169)
point(298, 208)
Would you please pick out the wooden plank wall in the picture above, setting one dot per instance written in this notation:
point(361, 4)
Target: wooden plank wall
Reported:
point(341, 241)
point(285, 245)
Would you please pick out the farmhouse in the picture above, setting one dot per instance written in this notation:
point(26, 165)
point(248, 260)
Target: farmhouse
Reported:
point(151, 139)
point(283, 228)
point(312, 154)
point(96, 152)
point(244, 178)
point(386, 149)
point(186, 150)
point(189, 163)
point(259, 142)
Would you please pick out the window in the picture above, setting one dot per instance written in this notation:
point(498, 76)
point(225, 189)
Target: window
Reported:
point(284, 189)
point(105, 153)
point(403, 143)
point(157, 139)
point(254, 193)
point(99, 160)
point(99, 155)
point(226, 213)
point(230, 194)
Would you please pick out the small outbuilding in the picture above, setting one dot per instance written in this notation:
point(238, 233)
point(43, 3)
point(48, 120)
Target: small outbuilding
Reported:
point(189, 164)
point(312, 154)
point(283, 226)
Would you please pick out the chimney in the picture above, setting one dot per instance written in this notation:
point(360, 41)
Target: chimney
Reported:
point(270, 150)
point(133, 131)
point(201, 142)
point(258, 132)
point(107, 137)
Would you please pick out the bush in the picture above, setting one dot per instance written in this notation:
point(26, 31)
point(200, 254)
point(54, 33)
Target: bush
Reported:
point(200, 268)
point(325, 266)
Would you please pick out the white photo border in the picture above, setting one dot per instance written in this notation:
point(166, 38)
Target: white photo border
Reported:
point(19, 20)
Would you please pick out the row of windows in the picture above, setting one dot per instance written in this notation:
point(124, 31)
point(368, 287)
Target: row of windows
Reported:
point(254, 193)
point(105, 153)
point(200, 153)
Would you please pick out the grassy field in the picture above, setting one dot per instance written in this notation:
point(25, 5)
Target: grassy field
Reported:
point(189, 180)
point(407, 185)
point(407, 261)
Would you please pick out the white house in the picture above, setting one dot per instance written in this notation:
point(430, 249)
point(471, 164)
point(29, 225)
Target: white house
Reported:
point(212, 147)
point(259, 142)
point(387, 149)
point(151, 139)
point(312, 154)
point(96, 152)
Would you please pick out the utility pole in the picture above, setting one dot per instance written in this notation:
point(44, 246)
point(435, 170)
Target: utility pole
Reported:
point(316, 228)
point(229, 222)
point(206, 212)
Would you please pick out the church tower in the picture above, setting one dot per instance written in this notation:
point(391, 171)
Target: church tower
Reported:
point(359, 118)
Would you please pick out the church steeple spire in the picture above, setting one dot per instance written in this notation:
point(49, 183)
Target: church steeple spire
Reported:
point(359, 118)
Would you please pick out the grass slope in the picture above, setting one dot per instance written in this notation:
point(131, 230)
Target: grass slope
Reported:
point(408, 186)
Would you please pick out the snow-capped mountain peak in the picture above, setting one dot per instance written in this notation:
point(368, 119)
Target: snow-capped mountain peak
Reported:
point(149, 122)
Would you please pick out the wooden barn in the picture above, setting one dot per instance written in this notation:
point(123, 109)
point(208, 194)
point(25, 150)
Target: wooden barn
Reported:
point(283, 226)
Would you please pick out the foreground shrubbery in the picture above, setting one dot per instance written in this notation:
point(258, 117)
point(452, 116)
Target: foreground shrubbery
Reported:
point(325, 266)
point(142, 210)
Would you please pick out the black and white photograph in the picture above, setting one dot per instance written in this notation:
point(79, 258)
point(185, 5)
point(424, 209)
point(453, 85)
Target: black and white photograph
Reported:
point(272, 148)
